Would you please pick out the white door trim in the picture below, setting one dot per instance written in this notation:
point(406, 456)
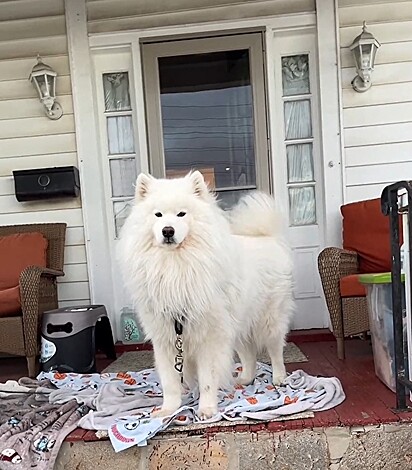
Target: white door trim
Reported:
point(87, 142)
point(278, 23)
point(330, 115)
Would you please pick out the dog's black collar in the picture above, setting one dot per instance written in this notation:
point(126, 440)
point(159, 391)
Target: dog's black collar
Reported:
point(178, 327)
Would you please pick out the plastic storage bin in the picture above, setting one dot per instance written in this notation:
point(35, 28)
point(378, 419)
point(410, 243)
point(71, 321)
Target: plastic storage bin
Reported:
point(379, 297)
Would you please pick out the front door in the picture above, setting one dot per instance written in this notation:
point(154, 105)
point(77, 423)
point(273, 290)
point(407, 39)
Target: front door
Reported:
point(206, 108)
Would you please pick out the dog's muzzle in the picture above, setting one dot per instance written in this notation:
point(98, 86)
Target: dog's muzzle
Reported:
point(168, 235)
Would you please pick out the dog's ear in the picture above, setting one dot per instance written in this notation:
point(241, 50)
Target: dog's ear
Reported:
point(198, 183)
point(143, 184)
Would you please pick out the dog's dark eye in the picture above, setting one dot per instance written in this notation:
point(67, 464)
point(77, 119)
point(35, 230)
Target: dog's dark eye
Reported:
point(158, 214)
point(181, 214)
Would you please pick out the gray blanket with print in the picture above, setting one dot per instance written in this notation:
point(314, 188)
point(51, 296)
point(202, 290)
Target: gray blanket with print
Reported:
point(31, 429)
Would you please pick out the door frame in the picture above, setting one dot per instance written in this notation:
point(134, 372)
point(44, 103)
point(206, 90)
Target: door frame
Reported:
point(81, 46)
point(251, 41)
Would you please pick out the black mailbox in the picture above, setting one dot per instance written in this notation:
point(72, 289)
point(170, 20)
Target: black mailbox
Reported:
point(46, 183)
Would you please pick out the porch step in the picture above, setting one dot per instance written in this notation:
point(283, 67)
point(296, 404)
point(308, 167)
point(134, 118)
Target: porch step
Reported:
point(386, 446)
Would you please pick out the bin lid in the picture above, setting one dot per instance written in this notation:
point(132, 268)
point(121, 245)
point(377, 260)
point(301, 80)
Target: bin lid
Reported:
point(377, 278)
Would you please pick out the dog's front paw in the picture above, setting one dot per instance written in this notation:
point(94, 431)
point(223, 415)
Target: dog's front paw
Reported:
point(278, 377)
point(206, 412)
point(245, 379)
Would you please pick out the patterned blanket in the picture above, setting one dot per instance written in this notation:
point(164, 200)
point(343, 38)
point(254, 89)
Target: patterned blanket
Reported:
point(37, 415)
point(122, 403)
point(32, 429)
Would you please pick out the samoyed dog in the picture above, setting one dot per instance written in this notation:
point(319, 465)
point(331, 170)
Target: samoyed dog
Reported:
point(226, 278)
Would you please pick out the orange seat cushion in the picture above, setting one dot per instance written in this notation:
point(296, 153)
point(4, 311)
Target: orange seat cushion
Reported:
point(351, 287)
point(366, 231)
point(10, 302)
point(17, 252)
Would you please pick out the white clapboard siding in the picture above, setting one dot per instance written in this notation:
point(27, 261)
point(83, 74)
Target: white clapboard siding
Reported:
point(33, 27)
point(7, 165)
point(20, 69)
point(24, 89)
point(120, 15)
point(74, 236)
point(32, 127)
point(26, 108)
point(348, 3)
point(73, 290)
point(28, 139)
point(401, 31)
point(21, 9)
point(38, 145)
point(377, 132)
point(378, 94)
point(371, 135)
point(363, 192)
point(23, 48)
point(379, 114)
point(391, 53)
point(385, 73)
point(378, 154)
point(6, 185)
point(72, 217)
point(376, 12)
point(75, 273)
point(74, 254)
point(10, 205)
point(372, 174)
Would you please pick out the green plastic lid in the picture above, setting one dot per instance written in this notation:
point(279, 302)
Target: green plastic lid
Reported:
point(378, 278)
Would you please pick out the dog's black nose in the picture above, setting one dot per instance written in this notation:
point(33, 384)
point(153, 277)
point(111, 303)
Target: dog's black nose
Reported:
point(168, 232)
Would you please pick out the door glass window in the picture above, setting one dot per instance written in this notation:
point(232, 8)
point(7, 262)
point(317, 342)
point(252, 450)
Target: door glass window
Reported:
point(295, 75)
point(120, 152)
point(297, 102)
point(207, 117)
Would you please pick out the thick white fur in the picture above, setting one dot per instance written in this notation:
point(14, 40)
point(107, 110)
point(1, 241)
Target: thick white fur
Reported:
point(229, 279)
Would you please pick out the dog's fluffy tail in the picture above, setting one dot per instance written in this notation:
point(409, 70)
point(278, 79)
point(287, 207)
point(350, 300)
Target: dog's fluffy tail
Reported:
point(255, 215)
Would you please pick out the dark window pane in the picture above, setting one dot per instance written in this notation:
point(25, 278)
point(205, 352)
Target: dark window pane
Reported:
point(207, 115)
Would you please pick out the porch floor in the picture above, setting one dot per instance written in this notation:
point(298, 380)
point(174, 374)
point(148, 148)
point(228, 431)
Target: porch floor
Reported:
point(368, 400)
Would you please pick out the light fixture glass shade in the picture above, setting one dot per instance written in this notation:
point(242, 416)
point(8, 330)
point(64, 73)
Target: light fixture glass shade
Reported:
point(43, 78)
point(364, 49)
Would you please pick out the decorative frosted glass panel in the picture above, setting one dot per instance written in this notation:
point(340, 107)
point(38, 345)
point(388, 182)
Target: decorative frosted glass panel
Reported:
point(300, 163)
point(298, 121)
point(120, 134)
point(295, 75)
point(302, 206)
point(121, 211)
point(123, 176)
point(116, 91)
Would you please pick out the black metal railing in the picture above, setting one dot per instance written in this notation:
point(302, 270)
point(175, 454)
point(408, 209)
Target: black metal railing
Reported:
point(390, 207)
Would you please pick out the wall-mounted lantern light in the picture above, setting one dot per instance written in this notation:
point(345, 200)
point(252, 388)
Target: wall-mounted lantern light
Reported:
point(364, 49)
point(43, 78)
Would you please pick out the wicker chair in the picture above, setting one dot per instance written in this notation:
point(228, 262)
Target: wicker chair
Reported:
point(366, 249)
point(348, 315)
point(19, 335)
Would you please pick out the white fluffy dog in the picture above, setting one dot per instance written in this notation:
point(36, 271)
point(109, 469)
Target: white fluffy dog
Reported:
point(228, 280)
